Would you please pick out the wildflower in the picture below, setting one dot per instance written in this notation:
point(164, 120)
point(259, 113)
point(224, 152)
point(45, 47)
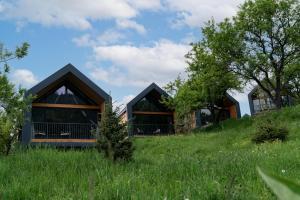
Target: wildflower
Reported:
point(283, 171)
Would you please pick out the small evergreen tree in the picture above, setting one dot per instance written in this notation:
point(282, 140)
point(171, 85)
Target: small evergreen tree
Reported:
point(112, 136)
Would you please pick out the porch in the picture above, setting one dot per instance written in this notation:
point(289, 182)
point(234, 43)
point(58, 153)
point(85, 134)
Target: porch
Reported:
point(152, 129)
point(49, 132)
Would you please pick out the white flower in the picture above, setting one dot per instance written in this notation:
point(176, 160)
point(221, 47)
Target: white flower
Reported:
point(283, 171)
point(11, 135)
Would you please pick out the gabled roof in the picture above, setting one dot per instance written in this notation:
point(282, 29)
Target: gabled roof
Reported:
point(237, 104)
point(69, 68)
point(231, 98)
point(151, 87)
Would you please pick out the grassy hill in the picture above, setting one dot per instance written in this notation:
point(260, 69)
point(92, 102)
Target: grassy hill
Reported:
point(212, 164)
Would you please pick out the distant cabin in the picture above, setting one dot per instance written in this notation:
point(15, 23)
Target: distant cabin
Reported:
point(147, 115)
point(260, 102)
point(227, 108)
point(66, 108)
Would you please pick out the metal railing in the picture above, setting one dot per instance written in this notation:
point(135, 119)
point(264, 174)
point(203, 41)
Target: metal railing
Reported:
point(151, 129)
point(49, 130)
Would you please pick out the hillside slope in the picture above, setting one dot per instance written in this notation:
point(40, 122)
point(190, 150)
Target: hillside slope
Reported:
point(212, 164)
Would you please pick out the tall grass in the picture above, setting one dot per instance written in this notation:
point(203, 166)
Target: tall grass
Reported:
point(214, 164)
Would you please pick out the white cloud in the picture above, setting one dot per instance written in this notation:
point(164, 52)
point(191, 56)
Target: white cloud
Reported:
point(146, 4)
point(84, 41)
point(76, 14)
point(107, 37)
point(130, 24)
point(195, 13)
point(189, 38)
point(110, 37)
point(139, 66)
point(123, 102)
point(1, 7)
point(24, 77)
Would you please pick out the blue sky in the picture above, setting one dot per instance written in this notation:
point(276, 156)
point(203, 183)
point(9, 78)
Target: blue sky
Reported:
point(122, 45)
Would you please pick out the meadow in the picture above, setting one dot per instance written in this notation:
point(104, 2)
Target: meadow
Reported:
point(219, 163)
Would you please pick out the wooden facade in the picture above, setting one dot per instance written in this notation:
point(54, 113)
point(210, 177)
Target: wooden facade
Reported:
point(65, 110)
point(260, 102)
point(229, 108)
point(146, 115)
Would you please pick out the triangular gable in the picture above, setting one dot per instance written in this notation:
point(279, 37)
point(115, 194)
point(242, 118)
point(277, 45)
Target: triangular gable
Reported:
point(140, 96)
point(69, 68)
point(146, 91)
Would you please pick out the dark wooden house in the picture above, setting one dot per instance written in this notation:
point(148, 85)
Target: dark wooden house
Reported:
point(147, 115)
point(65, 110)
point(227, 108)
point(260, 102)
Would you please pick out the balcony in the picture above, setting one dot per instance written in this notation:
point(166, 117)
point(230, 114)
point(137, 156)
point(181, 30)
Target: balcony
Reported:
point(152, 129)
point(62, 132)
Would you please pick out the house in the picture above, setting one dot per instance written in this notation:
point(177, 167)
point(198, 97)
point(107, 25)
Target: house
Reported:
point(147, 115)
point(260, 102)
point(228, 108)
point(65, 110)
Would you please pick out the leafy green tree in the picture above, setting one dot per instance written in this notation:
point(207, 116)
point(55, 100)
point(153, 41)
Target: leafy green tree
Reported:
point(112, 136)
point(292, 78)
point(261, 44)
point(209, 78)
point(182, 99)
point(12, 101)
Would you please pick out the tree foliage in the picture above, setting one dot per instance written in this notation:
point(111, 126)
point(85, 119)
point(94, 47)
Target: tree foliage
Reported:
point(12, 101)
point(209, 79)
point(261, 44)
point(112, 136)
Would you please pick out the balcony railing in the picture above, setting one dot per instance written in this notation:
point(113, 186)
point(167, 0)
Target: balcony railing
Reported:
point(151, 129)
point(45, 130)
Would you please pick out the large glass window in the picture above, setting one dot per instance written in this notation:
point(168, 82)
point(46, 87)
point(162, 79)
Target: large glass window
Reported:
point(61, 115)
point(66, 94)
point(152, 124)
point(151, 104)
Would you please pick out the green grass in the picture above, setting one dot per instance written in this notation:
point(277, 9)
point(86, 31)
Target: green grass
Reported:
point(213, 164)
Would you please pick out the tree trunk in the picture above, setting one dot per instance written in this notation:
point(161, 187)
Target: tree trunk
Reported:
point(213, 115)
point(278, 100)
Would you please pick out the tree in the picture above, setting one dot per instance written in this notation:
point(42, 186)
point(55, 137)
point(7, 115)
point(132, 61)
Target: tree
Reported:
point(181, 99)
point(112, 136)
point(292, 78)
point(261, 44)
point(209, 78)
point(13, 104)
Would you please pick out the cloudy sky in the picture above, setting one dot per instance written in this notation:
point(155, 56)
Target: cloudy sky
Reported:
point(122, 45)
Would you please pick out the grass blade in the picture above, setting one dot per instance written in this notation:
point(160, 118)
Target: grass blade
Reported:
point(283, 188)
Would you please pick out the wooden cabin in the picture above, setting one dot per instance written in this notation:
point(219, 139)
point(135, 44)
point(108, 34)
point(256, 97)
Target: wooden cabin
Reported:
point(228, 108)
point(260, 102)
point(65, 110)
point(147, 115)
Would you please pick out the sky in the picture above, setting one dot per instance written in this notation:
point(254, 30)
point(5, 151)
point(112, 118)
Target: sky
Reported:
point(121, 45)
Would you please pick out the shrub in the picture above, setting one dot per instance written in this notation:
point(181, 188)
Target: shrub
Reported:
point(268, 130)
point(8, 135)
point(112, 137)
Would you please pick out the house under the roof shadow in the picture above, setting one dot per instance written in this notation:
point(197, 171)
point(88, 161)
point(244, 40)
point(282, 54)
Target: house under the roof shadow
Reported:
point(147, 115)
point(65, 110)
point(227, 108)
point(260, 102)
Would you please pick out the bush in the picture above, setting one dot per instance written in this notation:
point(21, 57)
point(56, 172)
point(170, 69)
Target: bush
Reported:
point(112, 137)
point(7, 135)
point(268, 130)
